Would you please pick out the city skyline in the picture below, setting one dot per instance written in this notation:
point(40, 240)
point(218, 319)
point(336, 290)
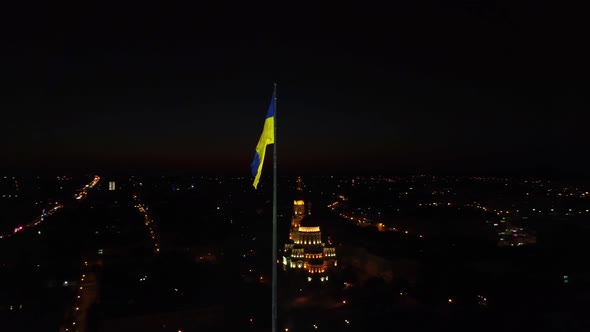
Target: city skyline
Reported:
point(113, 253)
point(428, 168)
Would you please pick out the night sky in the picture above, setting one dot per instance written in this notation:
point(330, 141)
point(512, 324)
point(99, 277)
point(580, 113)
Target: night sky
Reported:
point(455, 86)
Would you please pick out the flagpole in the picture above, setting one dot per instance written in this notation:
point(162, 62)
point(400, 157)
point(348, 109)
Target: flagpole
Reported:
point(274, 217)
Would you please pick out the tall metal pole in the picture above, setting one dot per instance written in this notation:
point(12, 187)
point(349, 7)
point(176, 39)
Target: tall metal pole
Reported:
point(274, 218)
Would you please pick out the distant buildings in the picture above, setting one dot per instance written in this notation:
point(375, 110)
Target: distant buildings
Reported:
point(513, 236)
point(305, 250)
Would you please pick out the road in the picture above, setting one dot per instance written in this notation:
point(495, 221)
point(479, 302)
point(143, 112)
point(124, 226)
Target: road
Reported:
point(77, 316)
point(37, 221)
point(148, 222)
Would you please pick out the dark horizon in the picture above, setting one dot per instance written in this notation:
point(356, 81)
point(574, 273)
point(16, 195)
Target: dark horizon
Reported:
point(531, 174)
point(491, 87)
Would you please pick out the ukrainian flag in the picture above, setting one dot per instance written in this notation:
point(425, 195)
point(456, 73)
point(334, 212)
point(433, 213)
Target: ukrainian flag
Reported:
point(267, 137)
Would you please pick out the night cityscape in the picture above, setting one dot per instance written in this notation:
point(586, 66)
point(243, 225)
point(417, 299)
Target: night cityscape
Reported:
point(169, 253)
point(417, 167)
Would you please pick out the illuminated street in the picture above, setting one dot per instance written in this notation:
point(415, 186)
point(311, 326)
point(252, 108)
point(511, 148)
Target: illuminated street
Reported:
point(50, 211)
point(86, 295)
point(149, 224)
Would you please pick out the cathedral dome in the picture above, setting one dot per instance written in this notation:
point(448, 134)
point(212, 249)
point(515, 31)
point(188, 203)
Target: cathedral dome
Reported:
point(310, 221)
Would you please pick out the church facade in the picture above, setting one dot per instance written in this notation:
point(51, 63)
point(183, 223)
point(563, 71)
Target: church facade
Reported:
point(305, 250)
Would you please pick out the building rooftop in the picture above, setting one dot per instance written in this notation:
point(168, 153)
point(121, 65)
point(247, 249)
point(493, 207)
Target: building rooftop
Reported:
point(311, 229)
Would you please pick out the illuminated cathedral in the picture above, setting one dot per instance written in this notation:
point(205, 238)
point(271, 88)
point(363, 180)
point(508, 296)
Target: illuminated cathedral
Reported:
point(305, 249)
